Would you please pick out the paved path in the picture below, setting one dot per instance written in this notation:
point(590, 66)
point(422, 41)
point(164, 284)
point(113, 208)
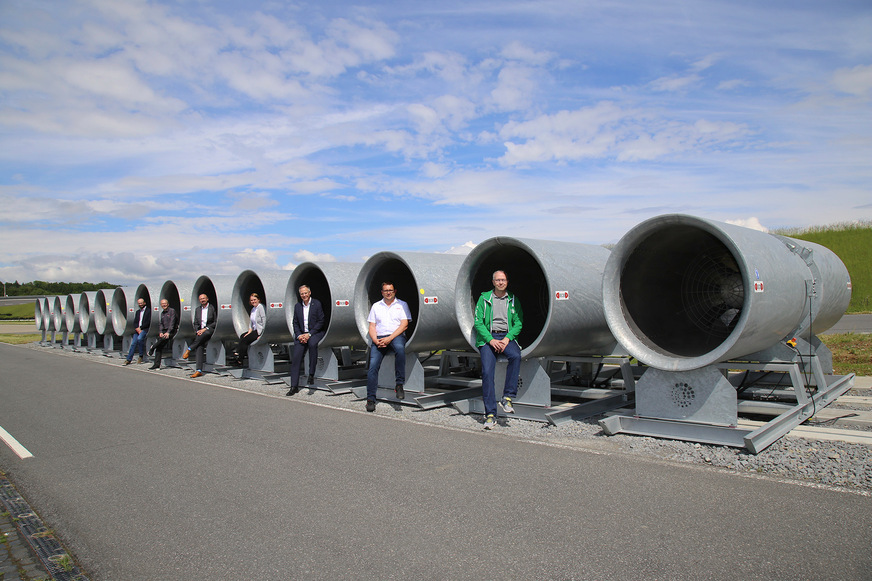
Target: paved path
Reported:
point(146, 476)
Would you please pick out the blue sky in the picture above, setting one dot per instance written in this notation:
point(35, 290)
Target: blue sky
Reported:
point(145, 141)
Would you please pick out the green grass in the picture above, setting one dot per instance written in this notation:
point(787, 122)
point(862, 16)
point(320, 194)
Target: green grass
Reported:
point(852, 352)
point(852, 243)
point(24, 311)
point(14, 339)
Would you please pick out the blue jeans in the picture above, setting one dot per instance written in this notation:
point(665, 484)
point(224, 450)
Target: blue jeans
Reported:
point(488, 368)
point(138, 342)
point(376, 354)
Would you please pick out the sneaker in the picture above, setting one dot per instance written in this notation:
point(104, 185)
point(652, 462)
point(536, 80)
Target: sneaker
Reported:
point(400, 393)
point(139, 360)
point(370, 405)
point(128, 362)
point(506, 404)
point(489, 422)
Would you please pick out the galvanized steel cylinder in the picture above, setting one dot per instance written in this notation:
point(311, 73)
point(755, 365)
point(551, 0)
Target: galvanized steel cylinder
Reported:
point(178, 295)
point(559, 286)
point(40, 308)
point(57, 313)
point(71, 314)
point(219, 289)
point(102, 311)
point(332, 283)
point(124, 307)
point(426, 283)
point(85, 309)
point(682, 292)
point(271, 287)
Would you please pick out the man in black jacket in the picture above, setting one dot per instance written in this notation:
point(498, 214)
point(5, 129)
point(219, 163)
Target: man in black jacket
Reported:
point(308, 331)
point(169, 324)
point(205, 320)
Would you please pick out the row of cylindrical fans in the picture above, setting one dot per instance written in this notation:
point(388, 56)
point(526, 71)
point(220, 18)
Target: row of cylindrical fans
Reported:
point(677, 292)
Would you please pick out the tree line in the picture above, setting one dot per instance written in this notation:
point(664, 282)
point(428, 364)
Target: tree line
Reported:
point(41, 287)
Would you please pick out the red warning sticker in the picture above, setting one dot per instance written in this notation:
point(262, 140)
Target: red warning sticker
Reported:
point(431, 300)
point(343, 302)
point(561, 295)
point(758, 286)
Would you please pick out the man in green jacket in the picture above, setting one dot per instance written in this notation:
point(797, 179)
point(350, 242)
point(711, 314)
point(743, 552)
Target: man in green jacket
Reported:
point(498, 321)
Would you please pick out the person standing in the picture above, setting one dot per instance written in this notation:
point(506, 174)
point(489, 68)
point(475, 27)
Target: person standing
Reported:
point(388, 320)
point(169, 324)
point(143, 322)
point(205, 320)
point(308, 326)
point(498, 322)
point(255, 328)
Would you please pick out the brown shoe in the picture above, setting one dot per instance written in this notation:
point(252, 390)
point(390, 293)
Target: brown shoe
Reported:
point(139, 360)
point(197, 374)
point(186, 353)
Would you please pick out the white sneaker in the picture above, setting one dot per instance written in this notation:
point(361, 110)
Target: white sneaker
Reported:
point(506, 404)
point(489, 422)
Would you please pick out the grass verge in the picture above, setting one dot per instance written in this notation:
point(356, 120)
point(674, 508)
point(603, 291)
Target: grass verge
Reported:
point(14, 339)
point(852, 352)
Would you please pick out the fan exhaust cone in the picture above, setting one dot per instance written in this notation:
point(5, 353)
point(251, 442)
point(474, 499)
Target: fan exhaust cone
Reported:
point(682, 292)
point(559, 285)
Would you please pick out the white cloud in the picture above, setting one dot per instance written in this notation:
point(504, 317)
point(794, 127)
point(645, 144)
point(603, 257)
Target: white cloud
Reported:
point(855, 81)
point(753, 223)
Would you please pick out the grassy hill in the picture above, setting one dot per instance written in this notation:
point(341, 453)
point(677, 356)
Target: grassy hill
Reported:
point(853, 244)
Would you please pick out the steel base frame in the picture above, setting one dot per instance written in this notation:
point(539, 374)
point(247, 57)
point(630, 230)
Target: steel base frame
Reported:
point(829, 387)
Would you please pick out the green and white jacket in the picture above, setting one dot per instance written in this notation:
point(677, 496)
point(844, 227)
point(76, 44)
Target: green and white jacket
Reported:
point(484, 315)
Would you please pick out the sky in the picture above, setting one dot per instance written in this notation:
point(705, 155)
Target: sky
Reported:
point(151, 140)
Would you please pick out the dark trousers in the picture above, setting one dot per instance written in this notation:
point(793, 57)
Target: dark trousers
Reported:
point(198, 346)
point(300, 350)
point(244, 343)
point(158, 348)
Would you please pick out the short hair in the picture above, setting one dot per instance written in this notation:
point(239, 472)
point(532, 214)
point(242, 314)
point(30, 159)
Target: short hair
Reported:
point(388, 283)
point(302, 286)
point(494, 275)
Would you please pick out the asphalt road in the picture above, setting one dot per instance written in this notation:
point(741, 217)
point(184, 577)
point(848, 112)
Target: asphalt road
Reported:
point(145, 476)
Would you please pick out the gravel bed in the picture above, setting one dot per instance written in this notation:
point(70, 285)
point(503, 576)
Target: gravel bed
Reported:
point(836, 464)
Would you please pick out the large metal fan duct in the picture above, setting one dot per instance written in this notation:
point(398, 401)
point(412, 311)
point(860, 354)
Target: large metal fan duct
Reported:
point(40, 308)
point(86, 310)
point(332, 283)
point(271, 287)
point(426, 283)
point(178, 295)
point(682, 292)
point(559, 285)
point(219, 289)
point(124, 307)
point(71, 318)
point(102, 311)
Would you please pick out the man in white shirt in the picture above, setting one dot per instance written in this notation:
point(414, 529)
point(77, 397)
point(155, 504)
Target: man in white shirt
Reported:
point(388, 320)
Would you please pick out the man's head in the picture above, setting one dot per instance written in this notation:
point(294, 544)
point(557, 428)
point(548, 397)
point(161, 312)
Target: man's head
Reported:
point(204, 300)
point(305, 293)
point(501, 281)
point(164, 304)
point(389, 291)
point(141, 303)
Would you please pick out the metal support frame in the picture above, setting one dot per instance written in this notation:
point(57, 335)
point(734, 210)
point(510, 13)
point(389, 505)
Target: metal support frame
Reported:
point(598, 406)
point(829, 387)
point(413, 386)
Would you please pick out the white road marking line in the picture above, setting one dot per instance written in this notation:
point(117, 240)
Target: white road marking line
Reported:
point(13, 443)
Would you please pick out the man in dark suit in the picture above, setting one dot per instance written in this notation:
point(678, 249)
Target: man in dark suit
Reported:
point(169, 324)
point(205, 320)
point(308, 331)
point(143, 322)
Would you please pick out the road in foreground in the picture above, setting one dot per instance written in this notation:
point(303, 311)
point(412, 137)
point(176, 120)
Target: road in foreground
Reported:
point(146, 476)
